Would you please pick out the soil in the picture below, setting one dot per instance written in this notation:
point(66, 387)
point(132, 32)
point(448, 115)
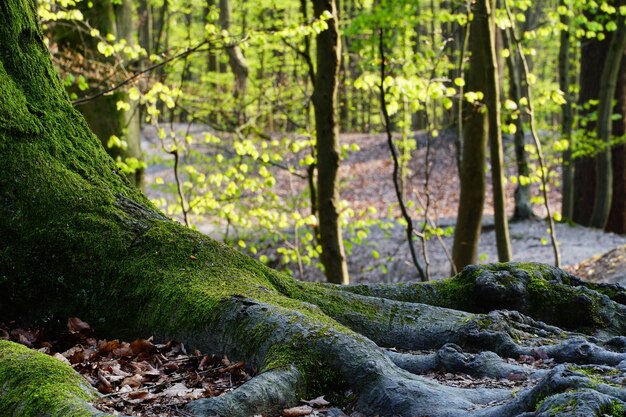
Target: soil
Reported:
point(366, 183)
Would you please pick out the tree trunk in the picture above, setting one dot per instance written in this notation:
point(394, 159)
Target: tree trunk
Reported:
point(523, 209)
point(604, 168)
point(328, 154)
point(492, 100)
point(77, 239)
point(617, 218)
point(236, 60)
point(567, 119)
point(475, 135)
point(592, 53)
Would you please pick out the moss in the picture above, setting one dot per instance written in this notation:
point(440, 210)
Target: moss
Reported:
point(34, 384)
point(615, 410)
point(597, 375)
point(320, 378)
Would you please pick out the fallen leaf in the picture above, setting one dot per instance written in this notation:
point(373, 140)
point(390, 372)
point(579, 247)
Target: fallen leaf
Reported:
point(177, 390)
point(302, 410)
point(134, 381)
point(143, 346)
point(76, 325)
point(319, 402)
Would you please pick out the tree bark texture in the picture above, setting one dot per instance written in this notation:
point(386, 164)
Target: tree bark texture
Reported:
point(78, 239)
point(236, 60)
point(567, 118)
point(328, 153)
point(492, 100)
point(475, 136)
point(604, 166)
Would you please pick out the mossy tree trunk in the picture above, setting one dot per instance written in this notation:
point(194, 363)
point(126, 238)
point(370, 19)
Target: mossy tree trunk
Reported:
point(78, 239)
point(105, 118)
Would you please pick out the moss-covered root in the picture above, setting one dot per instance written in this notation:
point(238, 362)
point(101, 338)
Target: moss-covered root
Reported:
point(267, 394)
point(540, 291)
point(451, 358)
point(329, 357)
point(34, 384)
point(412, 326)
point(566, 391)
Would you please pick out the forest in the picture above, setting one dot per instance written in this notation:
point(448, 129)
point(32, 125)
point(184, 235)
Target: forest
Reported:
point(288, 198)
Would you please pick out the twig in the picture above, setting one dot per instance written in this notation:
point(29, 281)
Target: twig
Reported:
point(133, 77)
point(396, 165)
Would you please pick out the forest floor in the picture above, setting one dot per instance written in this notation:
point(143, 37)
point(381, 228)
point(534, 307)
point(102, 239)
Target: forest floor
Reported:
point(366, 183)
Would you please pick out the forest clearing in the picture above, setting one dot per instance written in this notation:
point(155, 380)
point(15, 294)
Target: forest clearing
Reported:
point(244, 258)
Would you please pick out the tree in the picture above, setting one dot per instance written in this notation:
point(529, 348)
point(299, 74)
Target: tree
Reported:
point(595, 181)
point(77, 238)
point(236, 60)
point(604, 168)
point(328, 155)
point(482, 124)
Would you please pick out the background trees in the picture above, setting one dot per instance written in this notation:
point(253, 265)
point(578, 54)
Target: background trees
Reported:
point(229, 88)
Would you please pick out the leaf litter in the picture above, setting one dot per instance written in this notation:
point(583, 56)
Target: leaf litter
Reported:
point(145, 378)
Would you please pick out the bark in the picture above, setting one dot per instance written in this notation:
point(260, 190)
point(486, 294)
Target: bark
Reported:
point(328, 155)
point(592, 52)
point(77, 239)
point(567, 115)
point(604, 165)
point(236, 60)
point(475, 135)
point(523, 209)
point(492, 100)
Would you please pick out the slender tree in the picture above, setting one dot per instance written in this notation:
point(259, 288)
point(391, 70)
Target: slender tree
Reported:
point(603, 163)
point(236, 60)
point(328, 154)
point(523, 209)
point(492, 101)
point(567, 117)
point(481, 123)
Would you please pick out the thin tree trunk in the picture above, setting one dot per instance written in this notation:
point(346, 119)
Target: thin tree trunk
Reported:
point(604, 168)
point(523, 209)
point(236, 60)
point(617, 218)
point(475, 136)
point(328, 156)
point(567, 122)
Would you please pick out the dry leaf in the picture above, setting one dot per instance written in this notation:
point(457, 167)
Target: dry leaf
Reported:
point(143, 346)
point(76, 325)
point(134, 381)
point(302, 410)
point(317, 402)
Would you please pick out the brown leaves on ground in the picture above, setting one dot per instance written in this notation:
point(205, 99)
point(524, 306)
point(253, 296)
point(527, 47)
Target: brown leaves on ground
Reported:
point(139, 378)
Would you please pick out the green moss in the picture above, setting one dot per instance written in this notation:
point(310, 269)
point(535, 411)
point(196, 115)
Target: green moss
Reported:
point(596, 375)
point(34, 384)
point(319, 377)
point(615, 410)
